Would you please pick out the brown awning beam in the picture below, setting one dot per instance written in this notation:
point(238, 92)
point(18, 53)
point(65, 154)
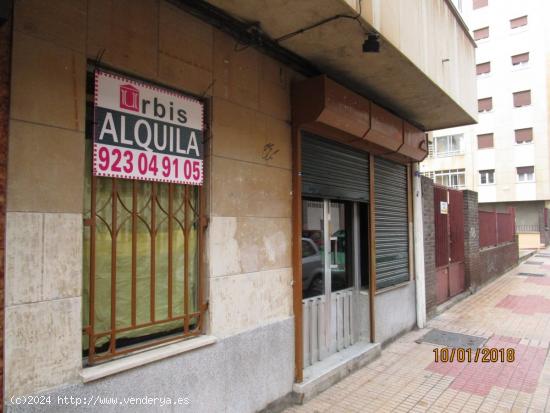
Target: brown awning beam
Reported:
point(320, 104)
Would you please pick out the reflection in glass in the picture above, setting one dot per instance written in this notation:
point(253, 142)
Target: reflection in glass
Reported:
point(340, 245)
point(313, 262)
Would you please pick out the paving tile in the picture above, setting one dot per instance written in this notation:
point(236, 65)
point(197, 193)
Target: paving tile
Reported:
point(513, 313)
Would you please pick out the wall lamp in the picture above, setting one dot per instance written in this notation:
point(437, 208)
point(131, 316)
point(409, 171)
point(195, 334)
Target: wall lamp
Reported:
point(371, 44)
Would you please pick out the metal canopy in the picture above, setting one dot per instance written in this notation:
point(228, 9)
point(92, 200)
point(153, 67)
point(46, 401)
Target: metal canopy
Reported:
point(389, 78)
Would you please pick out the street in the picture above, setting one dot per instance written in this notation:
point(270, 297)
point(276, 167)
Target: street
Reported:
point(512, 312)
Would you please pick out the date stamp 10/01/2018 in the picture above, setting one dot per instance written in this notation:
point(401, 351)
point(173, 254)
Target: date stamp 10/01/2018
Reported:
point(468, 355)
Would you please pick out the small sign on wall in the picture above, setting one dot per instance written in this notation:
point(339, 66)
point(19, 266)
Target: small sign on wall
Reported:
point(443, 207)
point(143, 131)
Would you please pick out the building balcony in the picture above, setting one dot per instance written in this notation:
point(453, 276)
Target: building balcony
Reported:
point(424, 71)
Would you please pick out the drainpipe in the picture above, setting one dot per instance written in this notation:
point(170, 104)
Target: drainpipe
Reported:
point(419, 269)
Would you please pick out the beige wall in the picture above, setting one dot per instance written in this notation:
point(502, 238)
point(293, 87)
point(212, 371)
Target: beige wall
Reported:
point(502, 81)
point(430, 35)
point(248, 240)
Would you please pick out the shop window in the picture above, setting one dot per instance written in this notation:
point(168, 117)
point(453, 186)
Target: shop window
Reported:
point(487, 177)
point(141, 255)
point(482, 33)
point(522, 98)
point(477, 4)
point(483, 68)
point(521, 59)
point(518, 22)
point(485, 105)
point(524, 135)
point(526, 173)
point(485, 141)
point(448, 145)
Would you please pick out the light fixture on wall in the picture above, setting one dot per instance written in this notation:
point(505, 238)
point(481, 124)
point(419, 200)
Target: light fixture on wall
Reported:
point(371, 44)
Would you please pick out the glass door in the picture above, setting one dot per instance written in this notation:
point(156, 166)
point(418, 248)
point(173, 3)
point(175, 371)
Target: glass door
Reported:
point(327, 276)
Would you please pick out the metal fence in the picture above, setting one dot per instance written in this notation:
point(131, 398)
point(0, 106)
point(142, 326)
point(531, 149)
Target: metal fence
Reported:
point(496, 227)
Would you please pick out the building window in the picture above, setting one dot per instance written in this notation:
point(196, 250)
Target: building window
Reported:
point(518, 22)
point(487, 177)
point(482, 33)
point(483, 68)
point(526, 173)
point(522, 98)
point(141, 252)
point(477, 4)
point(454, 178)
point(141, 261)
point(429, 174)
point(524, 135)
point(430, 149)
point(448, 145)
point(520, 59)
point(485, 105)
point(485, 141)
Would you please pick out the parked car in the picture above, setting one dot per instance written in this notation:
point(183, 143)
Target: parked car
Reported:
point(312, 269)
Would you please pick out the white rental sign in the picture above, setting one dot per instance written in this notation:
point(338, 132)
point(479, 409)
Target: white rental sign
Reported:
point(143, 131)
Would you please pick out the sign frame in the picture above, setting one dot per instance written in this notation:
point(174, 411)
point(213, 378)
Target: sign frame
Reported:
point(146, 131)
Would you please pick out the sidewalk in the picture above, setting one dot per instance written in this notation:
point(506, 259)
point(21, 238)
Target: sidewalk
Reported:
point(512, 312)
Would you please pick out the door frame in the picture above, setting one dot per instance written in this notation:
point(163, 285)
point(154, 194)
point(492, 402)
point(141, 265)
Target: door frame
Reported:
point(296, 133)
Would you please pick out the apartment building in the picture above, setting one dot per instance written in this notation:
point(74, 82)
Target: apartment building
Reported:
point(209, 211)
point(506, 156)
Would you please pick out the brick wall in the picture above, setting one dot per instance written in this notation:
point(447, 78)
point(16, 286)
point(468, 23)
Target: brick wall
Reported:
point(496, 261)
point(429, 243)
point(480, 265)
point(471, 238)
point(544, 230)
point(5, 64)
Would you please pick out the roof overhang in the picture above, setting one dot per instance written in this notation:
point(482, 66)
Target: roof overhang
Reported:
point(388, 78)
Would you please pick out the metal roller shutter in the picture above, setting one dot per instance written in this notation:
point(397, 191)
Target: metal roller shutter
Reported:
point(333, 170)
point(392, 233)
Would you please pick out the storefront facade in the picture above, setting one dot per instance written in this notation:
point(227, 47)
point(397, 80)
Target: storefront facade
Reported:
point(193, 218)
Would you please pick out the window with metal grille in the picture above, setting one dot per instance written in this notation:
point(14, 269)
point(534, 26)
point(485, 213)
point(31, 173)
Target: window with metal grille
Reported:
point(522, 98)
point(477, 4)
point(520, 59)
point(526, 173)
point(485, 105)
point(518, 22)
point(448, 145)
point(487, 177)
point(485, 140)
point(141, 261)
point(524, 135)
point(483, 68)
point(482, 33)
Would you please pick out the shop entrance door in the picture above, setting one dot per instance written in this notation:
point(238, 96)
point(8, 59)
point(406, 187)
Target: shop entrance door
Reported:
point(329, 273)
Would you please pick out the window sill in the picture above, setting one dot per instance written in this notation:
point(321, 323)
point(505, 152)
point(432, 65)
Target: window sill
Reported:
point(519, 29)
point(109, 368)
point(448, 155)
point(518, 67)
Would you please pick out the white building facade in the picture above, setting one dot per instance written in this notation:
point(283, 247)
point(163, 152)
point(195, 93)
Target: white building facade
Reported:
point(506, 156)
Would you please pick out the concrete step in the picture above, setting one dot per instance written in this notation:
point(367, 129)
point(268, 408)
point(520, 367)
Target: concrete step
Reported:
point(334, 368)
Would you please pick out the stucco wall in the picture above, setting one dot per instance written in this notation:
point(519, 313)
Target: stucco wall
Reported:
point(395, 311)
point(412, 26)
point(248, 175)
